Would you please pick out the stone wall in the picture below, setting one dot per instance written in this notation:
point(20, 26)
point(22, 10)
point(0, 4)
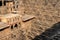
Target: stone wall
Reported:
point(47, 13)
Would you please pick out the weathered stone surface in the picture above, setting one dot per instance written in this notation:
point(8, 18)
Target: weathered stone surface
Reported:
point(46, 12)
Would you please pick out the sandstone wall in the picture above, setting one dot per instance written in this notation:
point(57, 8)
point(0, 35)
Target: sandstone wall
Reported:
point(47, 13)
